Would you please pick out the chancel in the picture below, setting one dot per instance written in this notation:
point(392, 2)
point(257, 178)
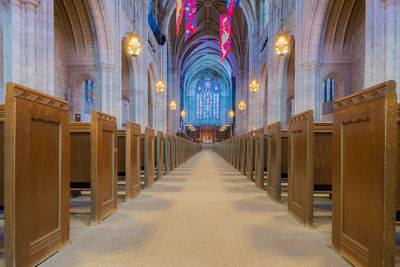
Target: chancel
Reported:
point(199, 133)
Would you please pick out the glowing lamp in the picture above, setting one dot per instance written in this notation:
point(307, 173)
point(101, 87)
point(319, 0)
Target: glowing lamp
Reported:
point(254, 86)
point(231, 113)
point(242, 105)
point(282, 45)
point(183, 113)
point(134, 46)
point(160, 86)
point(172, 105)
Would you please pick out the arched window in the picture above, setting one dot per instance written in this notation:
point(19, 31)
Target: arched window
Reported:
point(207, 99)
point(328, 90)
point(90, 96)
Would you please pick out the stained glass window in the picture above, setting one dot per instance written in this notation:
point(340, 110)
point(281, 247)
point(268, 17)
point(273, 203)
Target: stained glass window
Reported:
point(90, 95)
point(90, 91)
point(207, 99)
point(328, 90)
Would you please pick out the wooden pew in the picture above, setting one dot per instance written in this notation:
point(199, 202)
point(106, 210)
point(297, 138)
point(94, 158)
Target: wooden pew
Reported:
point(243, 157)
point(250, 155)
point(94, 160)
point(129, 160)
point(259, 158)
point(277, 150)
point(36, 175)
point(173, 157)
point(167, 150)
point(2, 118)
point(147, 157)
point(310, 164)
point(160, 146)
point(365, 175)
point(237, 154)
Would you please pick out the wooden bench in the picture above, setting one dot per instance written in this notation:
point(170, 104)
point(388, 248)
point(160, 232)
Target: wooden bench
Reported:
point(94, 159)
point(250, 156)
point(167, 150)
point(277, 168)
point(365, 175)
point(36, 175)
point(160, 146)
point(237, 154)
point(243, 157)
point(129, 160)
point(147, 157)
point(259, 158)
point(310, 164)
point(173, 149)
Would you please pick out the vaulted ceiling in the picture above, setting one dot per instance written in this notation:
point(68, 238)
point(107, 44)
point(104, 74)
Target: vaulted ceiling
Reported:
point(343, 20)
point(74, 19)
point(203, 46)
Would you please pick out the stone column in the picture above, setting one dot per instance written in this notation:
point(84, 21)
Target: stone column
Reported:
point(109, 97)
point(382, 42)
point(173, 92)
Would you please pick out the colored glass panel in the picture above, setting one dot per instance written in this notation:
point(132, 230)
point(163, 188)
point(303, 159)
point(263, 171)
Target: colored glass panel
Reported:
point(207, 98)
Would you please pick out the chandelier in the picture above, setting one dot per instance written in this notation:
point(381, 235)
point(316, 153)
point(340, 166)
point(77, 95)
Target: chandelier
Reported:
point(134, 46)
point(231, 113)
point(183, 113)
point(242, 105)
point(172, 105)
point(160, 86)
point(254, 86)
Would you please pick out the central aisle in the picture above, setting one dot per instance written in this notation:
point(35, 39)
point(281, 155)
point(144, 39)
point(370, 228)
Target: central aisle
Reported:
point(203, 214)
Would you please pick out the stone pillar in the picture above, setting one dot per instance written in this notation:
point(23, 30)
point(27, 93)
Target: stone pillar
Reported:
point(382, 42)
point(173, 92)
point(242, 81)
point(109, 97)
point(308, 88)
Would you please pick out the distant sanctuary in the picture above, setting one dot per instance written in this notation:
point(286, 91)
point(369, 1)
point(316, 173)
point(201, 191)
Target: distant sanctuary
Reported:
point(199, 132)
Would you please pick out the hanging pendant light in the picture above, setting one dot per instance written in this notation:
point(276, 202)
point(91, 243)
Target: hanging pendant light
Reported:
point(183, 113)
point(134, 46)
point(242, 105)
point(172, 105)
point(254, 85)
point(160, 86)
point(231, 113)
point(282, 43)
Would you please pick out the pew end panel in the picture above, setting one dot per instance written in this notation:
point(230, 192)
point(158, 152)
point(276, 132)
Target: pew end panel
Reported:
point(365, 147)
point(250, 155)
point(274, 169)
point(160, 155)
point(2, 118)
point(149, 164)
point(301, 167)
point(129, 158)
point(36, 176)
point(243, 155)
point(104, 166)
point(259, 158)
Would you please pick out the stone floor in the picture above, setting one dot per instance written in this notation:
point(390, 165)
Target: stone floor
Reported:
point(203, 214)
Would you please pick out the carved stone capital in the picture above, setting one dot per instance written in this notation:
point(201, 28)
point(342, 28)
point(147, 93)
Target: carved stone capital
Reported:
point(31, 4)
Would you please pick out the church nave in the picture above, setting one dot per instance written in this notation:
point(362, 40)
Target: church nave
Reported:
point(204, 213)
